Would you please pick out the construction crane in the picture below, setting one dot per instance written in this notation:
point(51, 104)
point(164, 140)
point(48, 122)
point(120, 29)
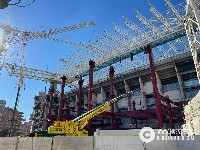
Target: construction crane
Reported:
point(76, 126)
point(13, 35)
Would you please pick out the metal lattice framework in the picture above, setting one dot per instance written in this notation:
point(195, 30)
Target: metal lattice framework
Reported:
point(13, 35)
point(164, 31)
point(192, 26)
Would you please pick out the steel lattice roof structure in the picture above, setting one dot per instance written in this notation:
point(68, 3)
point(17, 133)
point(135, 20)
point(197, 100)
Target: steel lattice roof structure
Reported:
point(164, 31)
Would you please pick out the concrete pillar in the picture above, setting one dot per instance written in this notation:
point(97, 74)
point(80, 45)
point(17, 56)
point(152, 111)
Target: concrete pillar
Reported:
point(115, 91)
point(94, 99)
point(127, 89)
point(85, 101)
point(143, 97)
point(103, 95)
point(159, 84)
point(180, 82)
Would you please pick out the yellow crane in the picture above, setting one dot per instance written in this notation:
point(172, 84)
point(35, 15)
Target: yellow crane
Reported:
point(76, 126)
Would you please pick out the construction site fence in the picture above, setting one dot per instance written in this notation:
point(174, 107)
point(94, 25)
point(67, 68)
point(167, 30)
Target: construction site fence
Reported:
point(95, 143)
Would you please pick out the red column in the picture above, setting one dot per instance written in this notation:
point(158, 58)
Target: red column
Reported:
point(80, 82)
point(111, 74)
point(61, 98)
point(155, 87)
point(171, 120)
point(92, 65)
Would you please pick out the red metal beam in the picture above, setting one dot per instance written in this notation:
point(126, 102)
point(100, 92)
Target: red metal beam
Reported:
point(171, 120)
point(62, 94)
point(138, 114)
point(111, 74)
point(155, 87)
point(80, 96)
point(92, 65)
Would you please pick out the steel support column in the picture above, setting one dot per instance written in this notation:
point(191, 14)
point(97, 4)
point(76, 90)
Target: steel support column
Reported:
point(80, 96)
point(111, 74)
point(155, 87)
point(61, 98)
point(90, 91)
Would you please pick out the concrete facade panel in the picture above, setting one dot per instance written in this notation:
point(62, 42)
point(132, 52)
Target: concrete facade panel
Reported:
point(174, 95)
point(148, 87)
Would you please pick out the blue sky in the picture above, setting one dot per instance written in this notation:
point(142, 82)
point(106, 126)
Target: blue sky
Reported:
point(55, 14)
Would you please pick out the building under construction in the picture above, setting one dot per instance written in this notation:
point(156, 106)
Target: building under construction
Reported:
point(144, 74)
point(162, 80)
point(176, 80)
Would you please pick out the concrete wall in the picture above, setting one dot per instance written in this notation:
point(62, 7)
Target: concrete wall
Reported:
point(148, 87)
point(174, 95)
point(118, 143)
point(192, 116)
point(111, 141)
point(123, 103)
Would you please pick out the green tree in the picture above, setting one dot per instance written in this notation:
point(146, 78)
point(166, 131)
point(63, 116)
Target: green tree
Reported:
point(4, 132)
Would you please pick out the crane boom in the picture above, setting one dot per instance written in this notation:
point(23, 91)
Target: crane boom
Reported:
point(31, 73)
point(17, 34)
point(76, 126)
point(25, 72)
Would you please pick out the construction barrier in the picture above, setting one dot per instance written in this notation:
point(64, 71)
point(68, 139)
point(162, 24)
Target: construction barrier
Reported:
point(39, 143)
point(95, 143)
point(162, 145)
point(72, 143)
point(8, 143)
point(189, 144)
point(118, 143)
